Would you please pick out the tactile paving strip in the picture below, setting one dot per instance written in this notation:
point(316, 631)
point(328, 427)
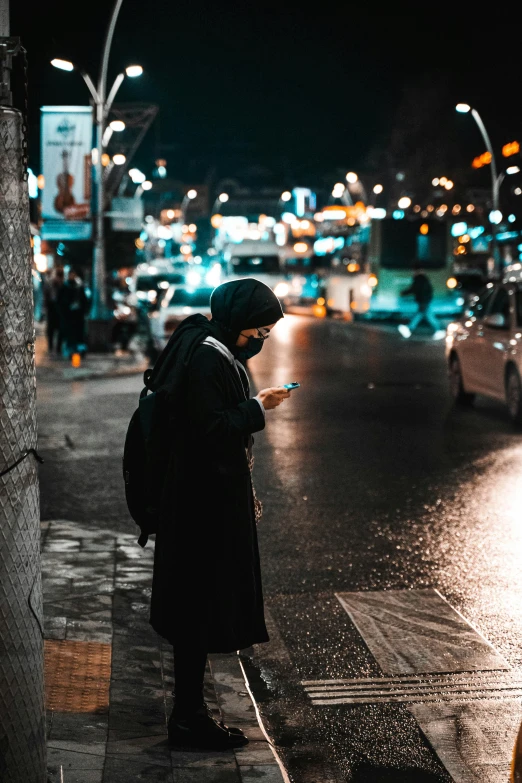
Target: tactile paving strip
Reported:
point(77, 676)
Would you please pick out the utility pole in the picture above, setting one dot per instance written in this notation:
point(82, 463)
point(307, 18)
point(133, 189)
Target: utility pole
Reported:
point(22, 704)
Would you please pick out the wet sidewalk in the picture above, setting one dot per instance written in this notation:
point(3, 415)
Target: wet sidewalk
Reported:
point(93, 365)
point(109, 677)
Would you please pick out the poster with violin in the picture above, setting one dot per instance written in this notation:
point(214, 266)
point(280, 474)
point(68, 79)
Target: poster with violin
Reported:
point(67, 141)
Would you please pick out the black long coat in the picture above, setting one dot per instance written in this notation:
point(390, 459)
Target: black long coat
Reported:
point(206, 590)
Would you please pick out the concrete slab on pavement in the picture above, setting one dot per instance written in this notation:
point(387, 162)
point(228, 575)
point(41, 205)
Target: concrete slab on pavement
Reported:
point(110, 677)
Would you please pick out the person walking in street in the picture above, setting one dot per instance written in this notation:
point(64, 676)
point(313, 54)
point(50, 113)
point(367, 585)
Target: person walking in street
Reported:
point(53, 285)
point(206, 590)
point(73, 307)
point(422, 290)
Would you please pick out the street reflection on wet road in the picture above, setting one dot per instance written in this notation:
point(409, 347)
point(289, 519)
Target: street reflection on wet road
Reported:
point(373, 481)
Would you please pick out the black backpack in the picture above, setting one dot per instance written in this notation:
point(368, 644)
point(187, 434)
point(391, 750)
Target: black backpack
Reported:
point(145, 459)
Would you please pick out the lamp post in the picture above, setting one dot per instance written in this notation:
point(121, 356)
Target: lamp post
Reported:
point(102, 105)
point(464, 108)
point(187, 198)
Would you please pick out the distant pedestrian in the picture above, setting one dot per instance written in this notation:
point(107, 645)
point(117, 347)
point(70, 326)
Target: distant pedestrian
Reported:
point(73, 306)
point(206, 590)
point(52, 287)
point(422, 290)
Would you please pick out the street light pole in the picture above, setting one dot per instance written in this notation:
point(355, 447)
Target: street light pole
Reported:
point(99, 298)
point(464, 108)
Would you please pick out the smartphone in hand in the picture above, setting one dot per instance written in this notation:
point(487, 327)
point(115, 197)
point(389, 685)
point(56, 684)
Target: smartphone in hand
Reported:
point(293, 385)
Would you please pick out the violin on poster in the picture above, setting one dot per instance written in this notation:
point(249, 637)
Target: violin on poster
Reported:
point(65, 182)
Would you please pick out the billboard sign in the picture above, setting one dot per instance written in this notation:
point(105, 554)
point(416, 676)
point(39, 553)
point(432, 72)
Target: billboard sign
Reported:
point(66, 144)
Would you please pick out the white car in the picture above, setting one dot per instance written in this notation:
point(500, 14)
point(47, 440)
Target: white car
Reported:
point(178, 302)
point(484, 348)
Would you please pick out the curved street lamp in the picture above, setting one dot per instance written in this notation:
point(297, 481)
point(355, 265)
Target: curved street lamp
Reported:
point(102, 103)
point(465, 108)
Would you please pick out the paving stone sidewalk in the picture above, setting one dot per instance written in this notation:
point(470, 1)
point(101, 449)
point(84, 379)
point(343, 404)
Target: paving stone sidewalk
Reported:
point(109, 677)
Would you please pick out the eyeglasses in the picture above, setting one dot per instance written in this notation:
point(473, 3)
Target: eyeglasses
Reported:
point(263, 332)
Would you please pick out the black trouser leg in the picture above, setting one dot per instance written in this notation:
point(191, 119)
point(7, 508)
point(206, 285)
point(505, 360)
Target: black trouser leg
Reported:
point(189, 673)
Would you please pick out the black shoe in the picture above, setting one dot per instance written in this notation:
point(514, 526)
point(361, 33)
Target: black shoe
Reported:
point(200, 731)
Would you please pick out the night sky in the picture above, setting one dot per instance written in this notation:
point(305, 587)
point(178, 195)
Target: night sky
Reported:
point(297, 91)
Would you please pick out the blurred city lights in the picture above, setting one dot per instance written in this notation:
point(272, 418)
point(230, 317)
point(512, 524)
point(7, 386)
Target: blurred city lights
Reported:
point(451, 282)
point(417, 208)
point(216, 220)
point(513, 148)
point(495, 216)
point(456, 209)
point(517, 191)
point(147, 185)
point(137, 176)
point(372, 280)
point(458, 229)
point(397, 214)
point(512, 170)
point(300, 247)
point(281, 289)
point(378, 189)
point(286, 196)
point(352, 177)
point(192, 228)
point(404, 202)
point(223, 197)
point(463, 108)
point(448, 185)
point(192, 194)
point(435, 181)
point(119, 159)
point(424, 229)
point(117, 125)
point(379, 213)
point(442, 181)
point(512, 218)
point(185, 249)
point(170, 214)
point(470, 208)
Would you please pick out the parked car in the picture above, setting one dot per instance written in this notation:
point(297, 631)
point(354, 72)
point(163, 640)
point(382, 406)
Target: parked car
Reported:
point(484, 347)
point(176, 304)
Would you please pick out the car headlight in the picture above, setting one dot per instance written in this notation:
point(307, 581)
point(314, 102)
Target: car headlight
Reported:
point(281, 289)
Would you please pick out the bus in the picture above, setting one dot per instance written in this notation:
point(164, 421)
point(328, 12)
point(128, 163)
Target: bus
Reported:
point(395, 248)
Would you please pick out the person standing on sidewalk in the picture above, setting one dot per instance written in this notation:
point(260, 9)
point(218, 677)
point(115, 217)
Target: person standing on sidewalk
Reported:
point(53, 286)
point(422, 290)
point(206, 590)
point(73, 306)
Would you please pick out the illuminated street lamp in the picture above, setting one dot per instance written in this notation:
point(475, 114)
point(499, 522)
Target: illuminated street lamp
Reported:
point(404, 202)
point(189, 196)
point(286, 196)
point(378, 189)
point(352, 177)
point(465, 108)
point(102, 104)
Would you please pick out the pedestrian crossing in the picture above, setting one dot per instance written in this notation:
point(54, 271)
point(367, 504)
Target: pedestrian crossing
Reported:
point(464, 695)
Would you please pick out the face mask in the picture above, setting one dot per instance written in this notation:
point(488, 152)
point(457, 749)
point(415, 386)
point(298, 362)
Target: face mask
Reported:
point(251, 349)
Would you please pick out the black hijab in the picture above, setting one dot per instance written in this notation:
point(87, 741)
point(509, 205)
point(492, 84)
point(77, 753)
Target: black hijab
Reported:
point(236, 305)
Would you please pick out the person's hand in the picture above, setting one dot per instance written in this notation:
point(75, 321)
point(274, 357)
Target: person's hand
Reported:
point(273, 396)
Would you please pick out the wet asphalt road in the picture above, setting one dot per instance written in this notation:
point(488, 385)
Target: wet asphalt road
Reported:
point(371, 480)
